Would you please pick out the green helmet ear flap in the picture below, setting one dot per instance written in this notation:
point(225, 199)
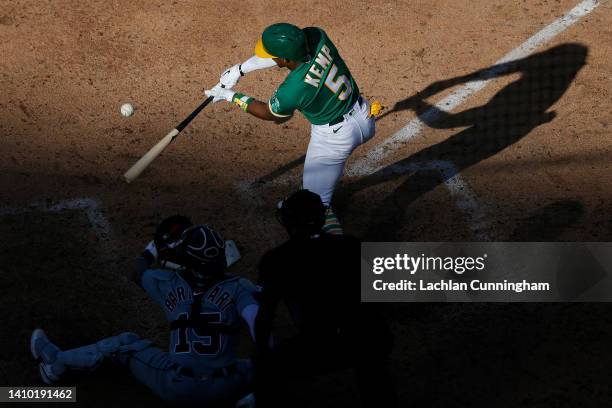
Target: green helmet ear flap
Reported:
point(282, 40)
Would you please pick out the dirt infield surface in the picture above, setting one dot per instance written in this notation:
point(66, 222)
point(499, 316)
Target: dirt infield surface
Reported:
point(532, 153)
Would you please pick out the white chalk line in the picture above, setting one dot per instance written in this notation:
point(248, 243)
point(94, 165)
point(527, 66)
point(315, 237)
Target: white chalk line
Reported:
point(465, 199)
point(91, 207)
point(371, 161)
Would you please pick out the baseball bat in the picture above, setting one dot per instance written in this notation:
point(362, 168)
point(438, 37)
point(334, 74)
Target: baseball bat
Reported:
point(156, 150)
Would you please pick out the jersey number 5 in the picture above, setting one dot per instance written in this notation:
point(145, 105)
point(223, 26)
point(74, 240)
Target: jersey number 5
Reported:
point(334, 84)
point(208, 338)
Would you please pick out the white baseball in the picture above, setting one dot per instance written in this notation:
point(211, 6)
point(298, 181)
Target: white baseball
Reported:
point(127, 109)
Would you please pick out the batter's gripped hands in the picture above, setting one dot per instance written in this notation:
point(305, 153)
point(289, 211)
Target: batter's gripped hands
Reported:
point(231, 76)
point(220, 94)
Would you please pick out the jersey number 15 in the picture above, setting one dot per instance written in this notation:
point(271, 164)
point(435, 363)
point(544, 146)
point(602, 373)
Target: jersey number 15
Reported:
point(208, 338)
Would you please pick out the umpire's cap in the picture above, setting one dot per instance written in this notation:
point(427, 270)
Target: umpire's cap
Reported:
point(302, 213)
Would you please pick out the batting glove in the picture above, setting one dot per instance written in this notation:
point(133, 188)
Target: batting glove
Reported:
point(220, 94)
point(231, 76)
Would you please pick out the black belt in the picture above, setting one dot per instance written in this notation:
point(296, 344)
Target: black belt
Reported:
point(349, 113)
point(219, 372)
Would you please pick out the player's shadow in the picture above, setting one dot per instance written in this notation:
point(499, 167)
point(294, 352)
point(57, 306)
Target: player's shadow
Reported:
point(285, 168)
point(511, 114)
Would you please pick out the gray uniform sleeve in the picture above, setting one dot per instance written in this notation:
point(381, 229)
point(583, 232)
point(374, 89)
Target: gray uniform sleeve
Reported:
point(141, 264)
point(245, 294)
point(151, 281)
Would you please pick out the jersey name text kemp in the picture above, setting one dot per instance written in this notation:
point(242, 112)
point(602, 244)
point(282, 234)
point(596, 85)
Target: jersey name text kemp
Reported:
point(324, 59)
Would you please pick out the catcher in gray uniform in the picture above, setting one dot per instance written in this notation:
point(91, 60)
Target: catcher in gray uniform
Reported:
point(203, 304)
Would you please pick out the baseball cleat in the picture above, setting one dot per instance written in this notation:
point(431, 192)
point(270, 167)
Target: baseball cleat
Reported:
point(47, 374)
point(332, 224)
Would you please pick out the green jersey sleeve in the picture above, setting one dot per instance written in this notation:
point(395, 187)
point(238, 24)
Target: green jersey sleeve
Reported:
point(283, 102)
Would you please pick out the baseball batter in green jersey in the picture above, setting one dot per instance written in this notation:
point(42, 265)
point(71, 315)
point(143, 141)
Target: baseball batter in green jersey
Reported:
point(321, 87)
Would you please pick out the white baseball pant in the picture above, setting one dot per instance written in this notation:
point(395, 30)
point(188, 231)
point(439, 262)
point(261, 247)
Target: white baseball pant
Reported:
point(331, 146)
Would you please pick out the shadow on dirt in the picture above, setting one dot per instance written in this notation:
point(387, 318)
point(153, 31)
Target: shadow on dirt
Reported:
point(503, 355)
point(54, 274)
point(280, 171)
point(548, 223)
point(511, 114)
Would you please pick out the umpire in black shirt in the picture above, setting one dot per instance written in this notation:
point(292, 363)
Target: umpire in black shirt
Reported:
point(317, 275)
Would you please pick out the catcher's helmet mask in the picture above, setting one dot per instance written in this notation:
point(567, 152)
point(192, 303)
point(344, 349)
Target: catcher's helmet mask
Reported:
point(197, 248)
